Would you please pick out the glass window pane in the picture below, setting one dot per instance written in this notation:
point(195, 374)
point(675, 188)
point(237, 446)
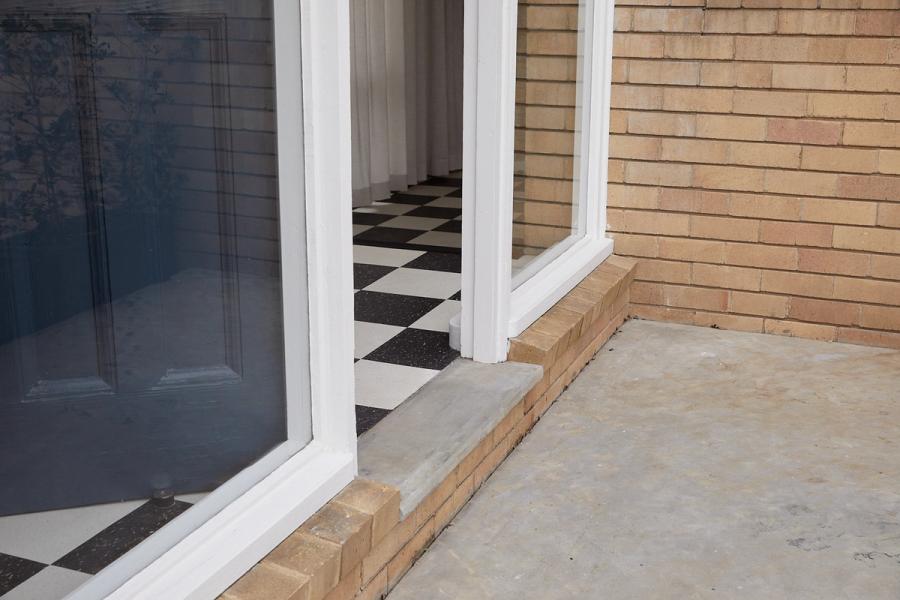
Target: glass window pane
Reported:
point(141, 327)
point(547, 138)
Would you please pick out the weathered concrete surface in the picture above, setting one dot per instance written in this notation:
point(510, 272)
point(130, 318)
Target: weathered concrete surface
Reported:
point(416, 446)
point(692, 463)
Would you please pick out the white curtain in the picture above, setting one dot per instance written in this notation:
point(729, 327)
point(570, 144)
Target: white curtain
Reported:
point(407, 73)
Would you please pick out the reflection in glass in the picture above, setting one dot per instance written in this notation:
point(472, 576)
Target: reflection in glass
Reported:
point(141, 345)
point(548, 125)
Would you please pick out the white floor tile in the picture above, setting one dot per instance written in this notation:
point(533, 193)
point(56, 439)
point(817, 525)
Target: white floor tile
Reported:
point(386, 208)
point(420, 223)
point(439, 318)
point(48, 536)
point(50, 583)
point(438, 238)
point(369, 336)
point(383, 385)
point(192, 498)
point(418, 282)
point(431, 190)
point(360, 228)
point(447, 202)
point(388, 257)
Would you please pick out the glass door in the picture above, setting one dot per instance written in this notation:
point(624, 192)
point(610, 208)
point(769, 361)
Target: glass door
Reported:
point(154, 337)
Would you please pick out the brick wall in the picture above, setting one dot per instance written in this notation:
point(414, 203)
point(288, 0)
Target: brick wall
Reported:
point(546, 70)
point(755, 154)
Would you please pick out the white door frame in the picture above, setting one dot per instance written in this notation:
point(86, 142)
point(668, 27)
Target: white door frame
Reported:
point(492, 310)
point(201, 553)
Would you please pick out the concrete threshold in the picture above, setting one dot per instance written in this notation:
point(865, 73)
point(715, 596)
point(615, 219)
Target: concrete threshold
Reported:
point(420, 443)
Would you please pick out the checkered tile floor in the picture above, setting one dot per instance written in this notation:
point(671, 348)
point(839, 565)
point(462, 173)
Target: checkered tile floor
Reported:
point(406, 272)
point(46, 555)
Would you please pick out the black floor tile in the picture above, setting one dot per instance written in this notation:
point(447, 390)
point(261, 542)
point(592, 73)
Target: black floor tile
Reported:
point(391, 309)
point(456, 296)
point(444, 181)
point(416, 348)
point(456, 193)
point(367, 417)
point(14, 571)
point(451, 226)
point(437, 261)
point(367, 218)
point(435, 212)
point(120, 537)
point(387, 234)
point(364, 275)
point(401, 198)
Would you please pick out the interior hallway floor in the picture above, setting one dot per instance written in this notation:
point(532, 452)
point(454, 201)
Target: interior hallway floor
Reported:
point(692, 463)
point(406, 281)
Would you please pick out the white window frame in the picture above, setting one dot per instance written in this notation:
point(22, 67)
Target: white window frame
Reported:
point(201, 553)
point(492, 310)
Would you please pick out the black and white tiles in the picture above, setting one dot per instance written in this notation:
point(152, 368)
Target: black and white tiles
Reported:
point(406, 274)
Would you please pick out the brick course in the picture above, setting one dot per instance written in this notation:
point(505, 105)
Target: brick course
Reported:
point(753, 164)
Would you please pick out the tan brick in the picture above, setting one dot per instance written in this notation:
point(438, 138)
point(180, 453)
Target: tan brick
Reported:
point(885, 241)
point(664, 271)
point(662, 313)
point(827, 333)
point(722, 276)
point(867, 290)
point(765, 155)
point(707, 47)
point(769, 49)
point(269, 582)
point(844, 160)
point(809, 77)
point(740, 21)
point(886, 267)
point(824, 311)
point(804, 131)
point(692, 297)
point(779, 3)
point(889, 215)
point(682, 20)
point(637, 45)
point(852, 106)
point(664, 72)
point(833, 262)
point(400, 564)
point(805, 183)
point(730, 322)
point(629, 146)
point(348, 587)
point(759, 255)
point(800, 284)
point(314, 557)
point(697, 100)
point(453, 504)
point(795, 234)
point(632, 196)
point(880, 23)
point(349, 528)
point(651, 173)
point(847, 212)
point(765, 207)
point(886, 135)
point(618, 121)
point(881, 317)
point(867, 337)
point(766, 102)
point(729, 127)
point(763, 305)
point(636, 245)
point(695, 201)
point(639, 97)
point(622, 18)
point(889, 162)
point(646, 293)
point(725, 228)
point(873, 79)
point(869, 187)
point(380, 501)
point(729, 178)
point(688, 150)
point(381, 554)
point(816, 22)
point(692, 250)
point(662, 123)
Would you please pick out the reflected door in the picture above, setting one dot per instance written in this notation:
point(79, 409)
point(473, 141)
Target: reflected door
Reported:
point(141, 322)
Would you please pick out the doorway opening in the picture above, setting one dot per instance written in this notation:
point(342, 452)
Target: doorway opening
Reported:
point(406, 97)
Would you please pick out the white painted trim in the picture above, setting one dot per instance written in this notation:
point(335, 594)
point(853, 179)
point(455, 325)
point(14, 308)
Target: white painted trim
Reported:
point(286, 486)
point(488, 142)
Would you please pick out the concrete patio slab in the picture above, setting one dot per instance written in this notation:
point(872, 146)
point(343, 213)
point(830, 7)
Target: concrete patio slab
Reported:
point(692, 463)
